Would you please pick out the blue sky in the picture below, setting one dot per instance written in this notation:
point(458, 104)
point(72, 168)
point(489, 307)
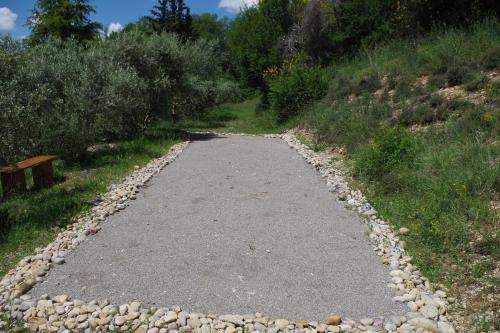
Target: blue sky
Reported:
point(13, 13)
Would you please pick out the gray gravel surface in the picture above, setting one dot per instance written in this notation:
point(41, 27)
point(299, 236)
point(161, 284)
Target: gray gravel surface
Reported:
point(234, 225)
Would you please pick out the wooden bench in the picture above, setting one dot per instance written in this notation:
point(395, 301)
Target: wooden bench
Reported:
point(14, 179)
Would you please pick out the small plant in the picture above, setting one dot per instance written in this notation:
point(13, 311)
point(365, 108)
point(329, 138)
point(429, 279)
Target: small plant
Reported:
point(457, 75)
point(288, 94)
point(10, 325)
point(477, 82)
point(491, 59)
point(339, 89)
point(493, 91)
point(438, 81)
point(368, 84)
point(391, 148)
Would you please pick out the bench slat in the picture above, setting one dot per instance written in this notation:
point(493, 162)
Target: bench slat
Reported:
point(31, 162)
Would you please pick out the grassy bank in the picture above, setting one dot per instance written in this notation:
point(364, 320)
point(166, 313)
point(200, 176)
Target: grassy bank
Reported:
point(420, 124)
point(33, 219)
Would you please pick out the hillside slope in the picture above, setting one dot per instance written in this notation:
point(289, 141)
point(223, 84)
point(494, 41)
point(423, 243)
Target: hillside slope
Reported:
point(419, 125)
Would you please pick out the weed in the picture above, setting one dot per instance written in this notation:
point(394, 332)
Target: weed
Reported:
point(391, 148)
point(476, 82)
point(457, 75)
point(491, 59)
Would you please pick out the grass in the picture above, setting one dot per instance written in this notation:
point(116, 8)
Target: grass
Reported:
point(33, 219)
point(237, 118)
point(437, 179)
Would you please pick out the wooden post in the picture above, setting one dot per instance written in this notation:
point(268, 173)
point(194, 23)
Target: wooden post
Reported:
point(13, 182)
point(43, 174)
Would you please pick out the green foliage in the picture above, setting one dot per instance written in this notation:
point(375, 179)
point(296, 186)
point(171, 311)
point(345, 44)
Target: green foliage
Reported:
point(209, 27)
point(62, 19)
point(289, 94)
point(491, 59)
point(253, 37)
point(172, 16)
point(359, 22)
point(145, 24)
point(438, 179)
point(392, 147)
point(235, 118)
point(476, 82)
point(311, 35)
point(119, 88)
point(427, 14)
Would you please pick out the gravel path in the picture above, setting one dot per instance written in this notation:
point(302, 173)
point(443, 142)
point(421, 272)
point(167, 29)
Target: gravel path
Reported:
point(234, 225)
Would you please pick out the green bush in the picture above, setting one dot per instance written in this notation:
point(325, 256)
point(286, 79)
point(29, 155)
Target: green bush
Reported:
point(61, 97)
point(491, 59)
point(476, 82)
point(289, 93)
point(457, 75)
point(391, 148)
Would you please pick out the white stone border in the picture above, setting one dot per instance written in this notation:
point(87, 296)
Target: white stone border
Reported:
point(60, 314)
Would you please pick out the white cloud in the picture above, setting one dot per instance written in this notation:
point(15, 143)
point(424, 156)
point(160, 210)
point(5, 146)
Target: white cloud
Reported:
point(114, 27)
point(7, 20)
point(235, 6)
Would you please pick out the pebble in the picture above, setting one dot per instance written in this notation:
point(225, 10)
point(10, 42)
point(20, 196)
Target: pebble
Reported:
point(281, 324)
point(426, 324)
point(429, 311)
point(59, 261)
point(230, 329)
point(333, 320)
point(367, 321)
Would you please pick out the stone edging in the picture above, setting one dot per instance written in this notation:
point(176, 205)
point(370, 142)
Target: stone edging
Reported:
point(60, 314)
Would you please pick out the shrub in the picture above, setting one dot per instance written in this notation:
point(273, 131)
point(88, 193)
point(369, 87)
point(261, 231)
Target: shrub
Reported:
point(491, 59)
point(61, 97)
point(289, 93)
point(457, 75)
point(339, 88)
point(391, 148)
point(368, 84)
point(476, 82)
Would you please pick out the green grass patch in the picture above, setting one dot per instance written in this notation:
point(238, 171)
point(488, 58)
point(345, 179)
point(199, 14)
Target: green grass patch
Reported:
point(237, 118)
point(33, 219)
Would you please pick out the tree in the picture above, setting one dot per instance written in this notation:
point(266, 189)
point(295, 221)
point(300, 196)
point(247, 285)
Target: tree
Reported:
point(172, 16)
point(63, 19)
point(253, 39)
point(209, 27)
point(144, 24)
point(311, 35)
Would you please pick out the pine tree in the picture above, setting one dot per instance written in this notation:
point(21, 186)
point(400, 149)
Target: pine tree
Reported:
point(172, 16)
point(63, 19)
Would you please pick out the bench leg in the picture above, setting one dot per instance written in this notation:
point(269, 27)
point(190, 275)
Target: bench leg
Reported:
point(13, 183)
point(43, 175)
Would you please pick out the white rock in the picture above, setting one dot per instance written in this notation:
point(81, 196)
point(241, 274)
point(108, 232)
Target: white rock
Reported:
point(58, 261)
point(429, 311)
point(170, 317)
point(281, 324)
point(234, 319)
point(426, 324)
point(445, 327)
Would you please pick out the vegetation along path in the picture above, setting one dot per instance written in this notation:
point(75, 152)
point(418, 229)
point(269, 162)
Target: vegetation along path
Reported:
point(236, 224)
